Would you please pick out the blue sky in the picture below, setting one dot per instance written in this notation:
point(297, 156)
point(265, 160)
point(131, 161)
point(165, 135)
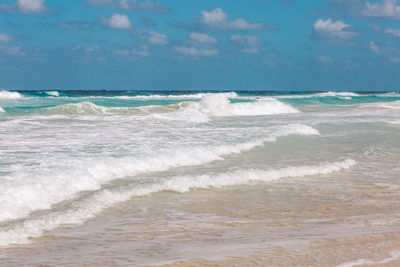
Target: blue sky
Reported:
point(200, 44)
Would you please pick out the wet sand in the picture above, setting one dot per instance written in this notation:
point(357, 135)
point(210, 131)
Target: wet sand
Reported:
point(290, 223)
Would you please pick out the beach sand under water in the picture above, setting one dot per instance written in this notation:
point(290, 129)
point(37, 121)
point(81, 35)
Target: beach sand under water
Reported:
point(132, 178)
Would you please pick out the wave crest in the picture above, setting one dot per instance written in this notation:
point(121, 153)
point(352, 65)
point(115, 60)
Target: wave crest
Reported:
point(104, 199)
point(9, 95)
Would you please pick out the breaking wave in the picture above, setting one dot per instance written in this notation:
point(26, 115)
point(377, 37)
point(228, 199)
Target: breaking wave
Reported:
point(48, 186)
point(88, 208)
point(9, 95)
point(177, 97)
point(52, 93)
point(211, 105)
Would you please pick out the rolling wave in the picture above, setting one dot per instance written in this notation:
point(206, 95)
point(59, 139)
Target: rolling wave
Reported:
point(49, 185)
point(88, 208)
point(9, 95)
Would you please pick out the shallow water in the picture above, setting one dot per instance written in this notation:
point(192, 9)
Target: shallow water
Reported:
point(149, 178)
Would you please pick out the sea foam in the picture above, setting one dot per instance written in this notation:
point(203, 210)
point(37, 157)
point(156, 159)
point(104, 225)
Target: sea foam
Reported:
point(9, 95)
point(25, 192)
point(52, 93)
point(88, 208)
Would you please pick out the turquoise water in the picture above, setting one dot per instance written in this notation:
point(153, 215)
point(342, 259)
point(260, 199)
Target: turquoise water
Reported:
point(73, 157)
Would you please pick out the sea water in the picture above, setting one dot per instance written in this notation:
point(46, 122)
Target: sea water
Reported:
point(167, 176)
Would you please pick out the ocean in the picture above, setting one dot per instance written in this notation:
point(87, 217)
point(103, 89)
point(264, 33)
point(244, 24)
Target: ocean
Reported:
point(199, 178)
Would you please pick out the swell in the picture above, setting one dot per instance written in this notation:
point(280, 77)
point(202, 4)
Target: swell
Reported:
point(88, 208)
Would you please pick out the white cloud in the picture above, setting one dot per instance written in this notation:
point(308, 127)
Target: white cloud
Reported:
point(374, 47)
point(25, 6)
point(218, 19)
point(386, 9)
point(5, 38)
point(117, 21)
point(333, 31)
point(201, 38)
point(195, 52)
point(249, 44)
point(157, 38)
point(31, 6)
point(393, 32)
point(13, 50)
point(145, 6)
point(198, 45)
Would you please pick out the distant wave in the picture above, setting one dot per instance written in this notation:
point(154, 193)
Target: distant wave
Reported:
point(211, 105)
point(81, 108)
point(336, 94)
point(88, 208)
point(52, 93)
point(215, 105)
point(383, 105)
point(342, 95)
point(9, 95)
point(177, 97)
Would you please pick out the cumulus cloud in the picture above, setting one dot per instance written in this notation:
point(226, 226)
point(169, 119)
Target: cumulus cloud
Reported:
point(117, 21)
point(25, 6)
point(156, 38)
point(384, 9)
point(374, 47)
point(5, 38)
point(201, 38)
point(132, 5)
point(198, 45)
point(372, 9)
point(249, 44)
point(12, 51)
point(195, 52)
point(333, 32)
point(217, 20)
point(392, 32)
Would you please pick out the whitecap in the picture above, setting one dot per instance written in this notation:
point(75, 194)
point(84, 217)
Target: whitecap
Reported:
point(88, 208)
point(9, 95)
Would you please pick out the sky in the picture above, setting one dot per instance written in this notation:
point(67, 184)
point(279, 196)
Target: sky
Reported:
point(338, 45)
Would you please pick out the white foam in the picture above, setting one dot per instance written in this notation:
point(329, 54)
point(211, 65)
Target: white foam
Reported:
point(80, 108)
point(334, 94)
point(2, 110)
point(394, 122)
point(88, 208)
point(219, 106)
point(176, 97)
point(40, 188)
point(341, 95)
point(52, 93)
point(383, 105)
point(394, 255)
point(9, 95)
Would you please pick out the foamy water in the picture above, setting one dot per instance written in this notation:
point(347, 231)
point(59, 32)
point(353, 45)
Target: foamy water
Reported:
point(70, 158)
